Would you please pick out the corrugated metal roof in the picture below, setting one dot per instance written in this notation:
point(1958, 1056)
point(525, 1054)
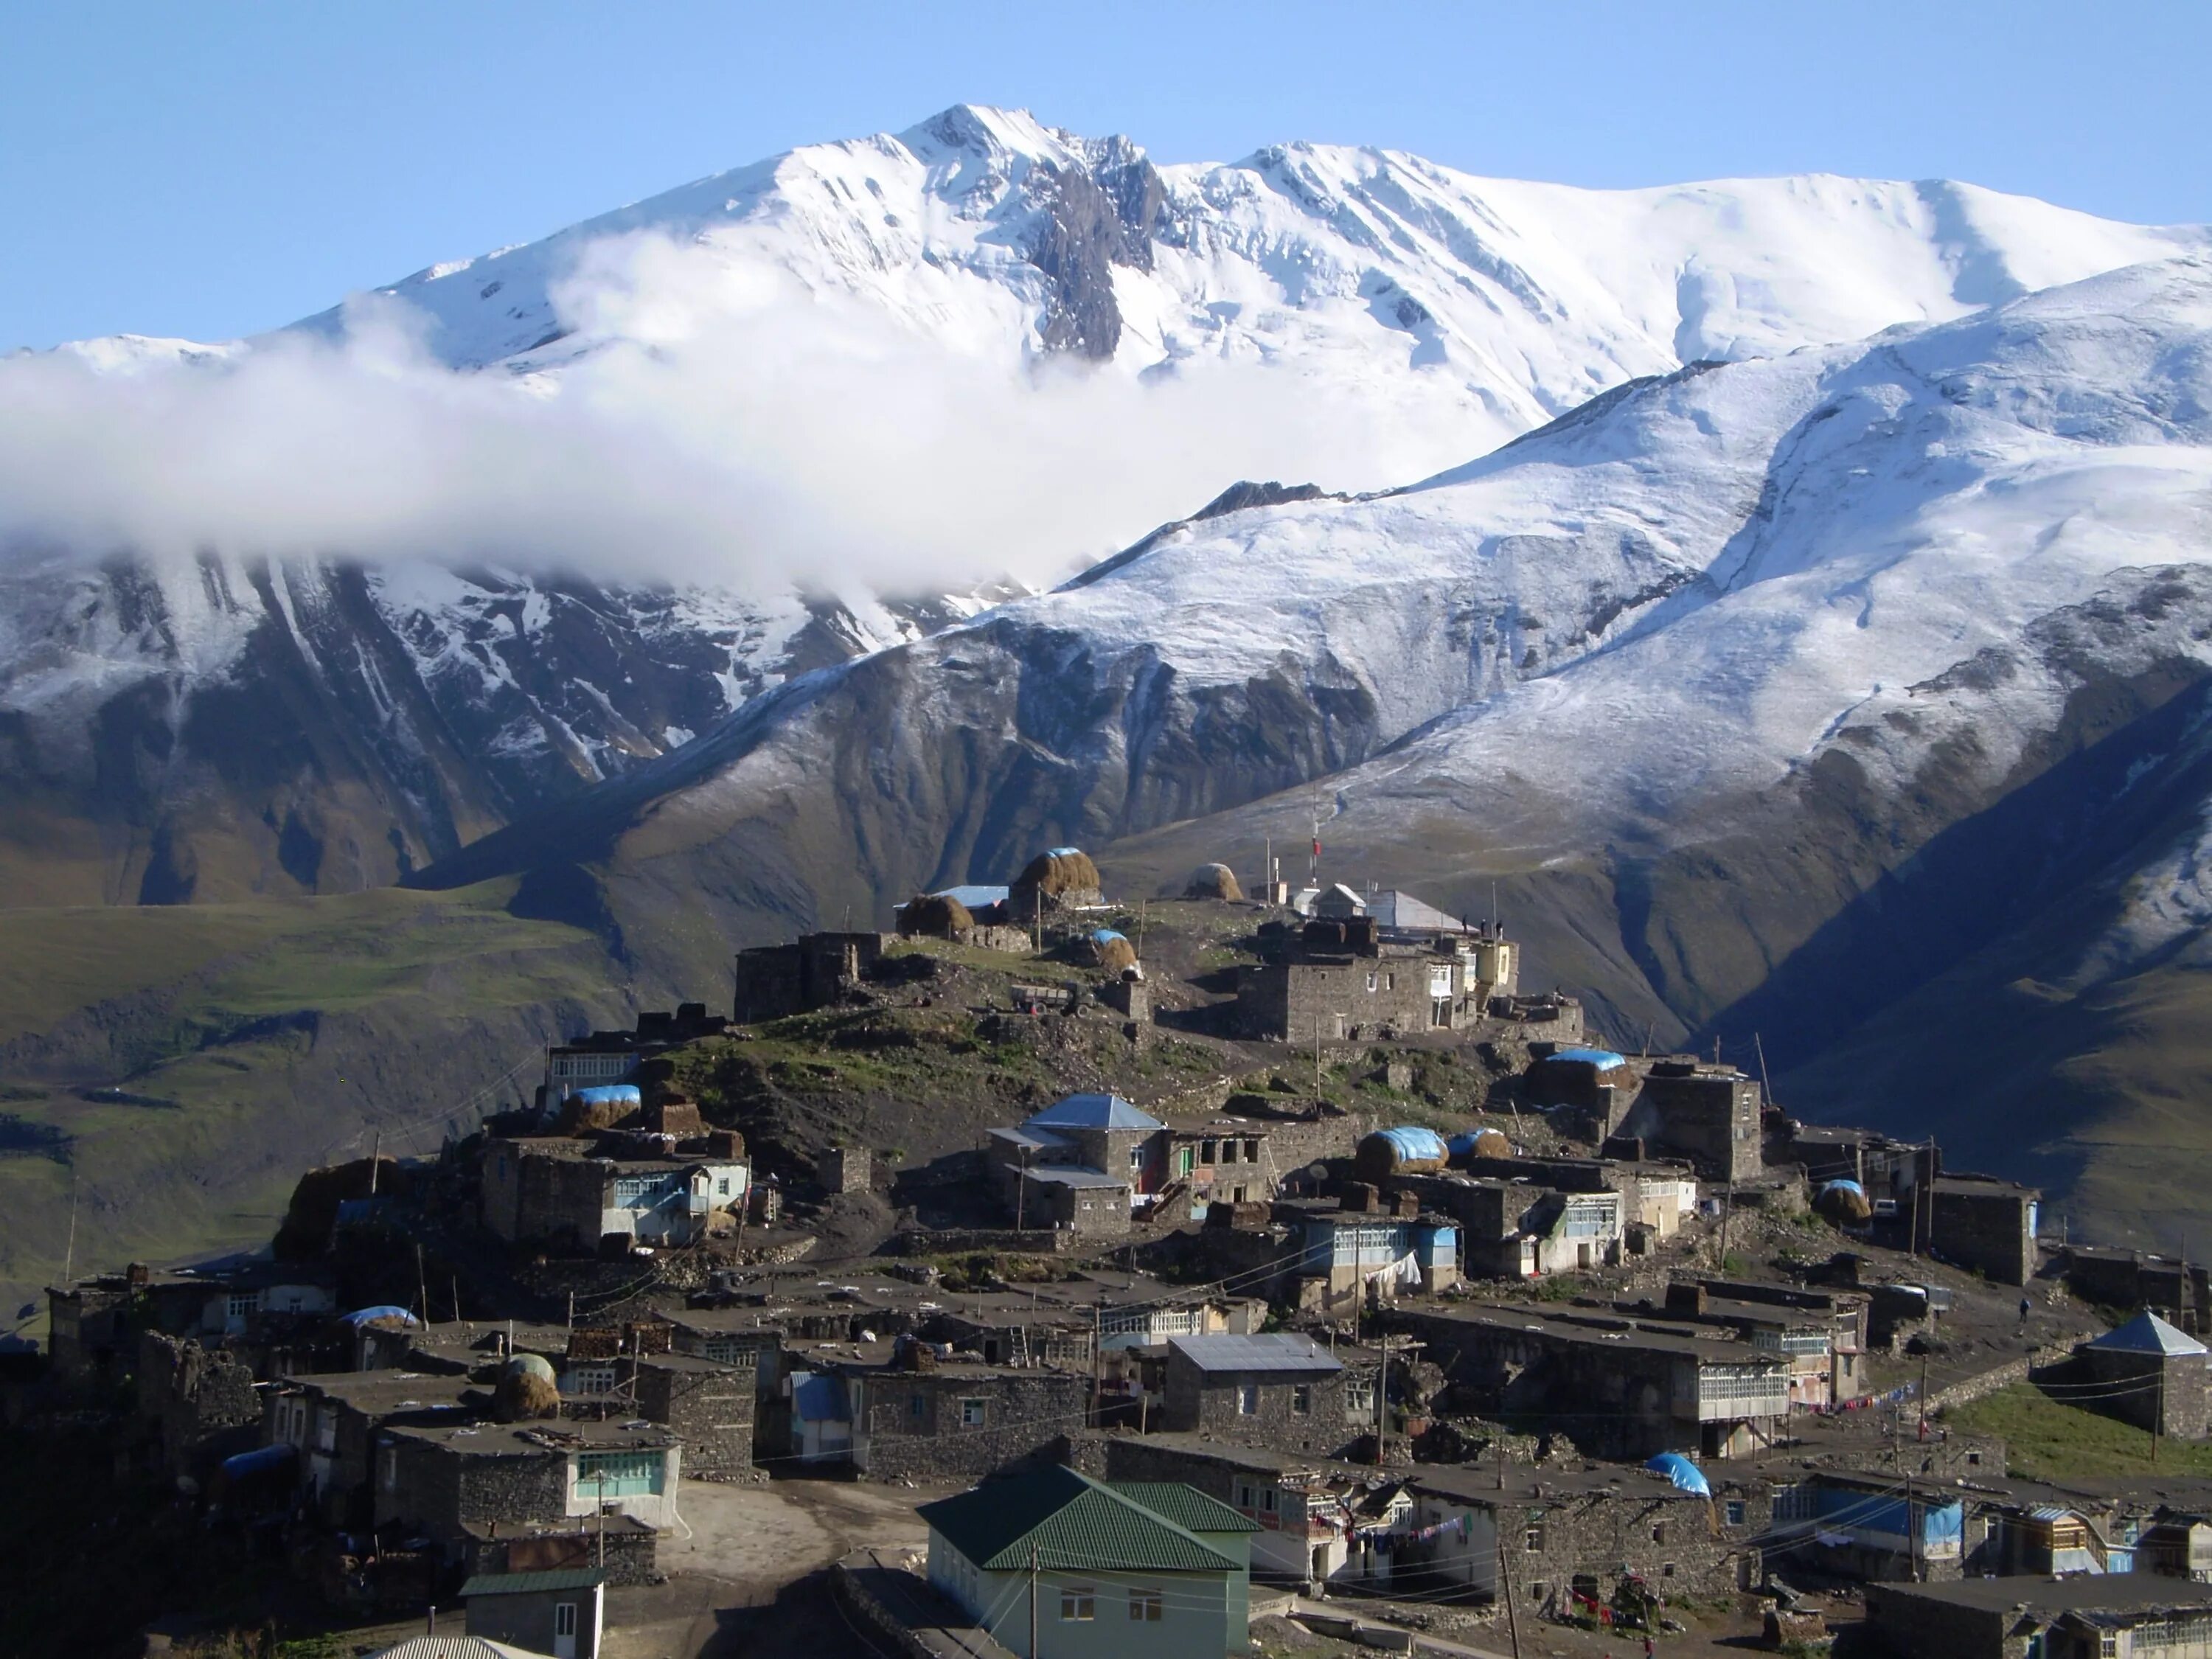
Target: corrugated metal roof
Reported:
point(1276, 1351)
point(1063, 1175)
point(455, 1647)
point(1071, 1522)
point(1402, 912)
point(975, 896)
point(1188, 1507)
point(526, 1583)
point(1092, 1111)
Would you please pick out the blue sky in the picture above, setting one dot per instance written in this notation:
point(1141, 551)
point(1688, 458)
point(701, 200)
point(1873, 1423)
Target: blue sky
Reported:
point(206, 171)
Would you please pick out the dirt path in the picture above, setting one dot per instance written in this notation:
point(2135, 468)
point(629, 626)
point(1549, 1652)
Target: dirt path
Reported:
point(746, 1578)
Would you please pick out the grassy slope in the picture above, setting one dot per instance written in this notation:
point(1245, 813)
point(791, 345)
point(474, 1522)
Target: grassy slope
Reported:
point(249, 1041)
point(2047, 1441)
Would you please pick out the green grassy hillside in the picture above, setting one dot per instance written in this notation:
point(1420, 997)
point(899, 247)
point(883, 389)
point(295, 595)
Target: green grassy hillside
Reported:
point(176, 1068)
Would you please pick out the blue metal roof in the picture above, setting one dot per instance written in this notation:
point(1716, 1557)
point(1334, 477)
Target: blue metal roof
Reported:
point(2147, 1333)
point(1092, 1111)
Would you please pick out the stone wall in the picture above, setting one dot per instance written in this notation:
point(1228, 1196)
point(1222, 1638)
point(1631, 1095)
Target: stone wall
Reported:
point(1984, 1225)
point(1288, 1412)
point(1710, 1118)
point(1350, 999)
point(192, 1398)
point(446, 1492)
point(1921, 1627)
point(918, 1424)
point(710, 1407)
point(531, 1194)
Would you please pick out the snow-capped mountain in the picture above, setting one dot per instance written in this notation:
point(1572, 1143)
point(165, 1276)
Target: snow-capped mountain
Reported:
point(278, 717)
point(1768, 693)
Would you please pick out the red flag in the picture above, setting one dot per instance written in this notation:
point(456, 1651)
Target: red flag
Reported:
point(1317, 849)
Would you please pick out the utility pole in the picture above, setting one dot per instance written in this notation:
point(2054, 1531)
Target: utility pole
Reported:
point(1036, 917)
point(601, 1475)
point(1505, 1595)
point(1021, 1190)
point(68, 1251)
point(1912, 1533)
point(572, 1313)
point(1140, 930)
point(1765, 1086)
point(421, 1285)
point(375, 1161)
point(1098, 1358)
point(1381, 1395)
point(1924, 1396)
point(1033, 1593)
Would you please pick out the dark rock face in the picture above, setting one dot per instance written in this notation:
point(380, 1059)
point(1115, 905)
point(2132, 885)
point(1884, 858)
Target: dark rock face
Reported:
point(1094, 220)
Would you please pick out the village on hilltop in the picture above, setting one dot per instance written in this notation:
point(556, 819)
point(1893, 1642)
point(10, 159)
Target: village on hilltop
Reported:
point(1226, 1272)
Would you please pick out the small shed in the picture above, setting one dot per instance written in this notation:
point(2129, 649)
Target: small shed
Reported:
point(561, 1613)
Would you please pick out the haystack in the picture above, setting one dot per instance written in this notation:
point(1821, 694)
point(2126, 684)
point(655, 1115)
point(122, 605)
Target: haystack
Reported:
point(527, 1391)
point(1212, 881)
point(934, 915)
point(1063, 876)
point(606, 1107)
point(1115, 954)
point(1843, 1202)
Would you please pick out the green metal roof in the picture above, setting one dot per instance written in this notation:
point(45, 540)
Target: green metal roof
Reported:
point(1071, 1522)
point(522, 1584)
point(1188, 1507)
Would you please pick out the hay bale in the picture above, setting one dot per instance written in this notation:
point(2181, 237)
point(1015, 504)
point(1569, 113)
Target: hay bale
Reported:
point(1115, 952)
point(607, 1106)
point(1064, 876)
point(313, 1211)
point(1843, 1202)
point(524, 1396)
point(1212, 881)
point(932, 915)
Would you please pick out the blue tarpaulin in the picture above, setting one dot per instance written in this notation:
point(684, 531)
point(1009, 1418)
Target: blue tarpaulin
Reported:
point(1682, 1472)
point(1414, 1143)
point(1603, 1059)
point(260, 1460)
point(364, 1316)
point(610, 1094)
point(1107, 936)
point(1842, 1185)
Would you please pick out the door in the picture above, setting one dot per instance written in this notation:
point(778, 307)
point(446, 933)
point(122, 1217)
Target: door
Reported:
point(564, 1630)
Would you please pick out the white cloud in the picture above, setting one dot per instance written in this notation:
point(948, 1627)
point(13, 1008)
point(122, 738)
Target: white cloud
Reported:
point(725, 425)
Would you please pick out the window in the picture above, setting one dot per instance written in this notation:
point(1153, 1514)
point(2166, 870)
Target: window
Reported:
point(1735, 1511)
point(722, 1186)
point(1251, 1152)
point(917, 1406)
point(1389, 981)
point(1371, 982)
point(1145, 1606)
point(1301, 1399)
point(1247, 1399)
point(1136, 1158)
point(1186, 1159)
point(1209, 1152)
point(586, 1380)
point(564, 1618)
point(619, 1475)
point(241, 1306)
point(971, 1413)
point(1537, 1592)
point(391, 1468)
point(1973, 1457)
point(1533, 1540)
point(1244, 1496)
point(1667, 1569)
point(1659, 1532)
point(1267, 1499)
point(1079, 1607)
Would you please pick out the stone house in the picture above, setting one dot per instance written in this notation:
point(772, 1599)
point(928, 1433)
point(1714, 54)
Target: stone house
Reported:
point(1862, 1527)
point(605, 1058)
point(198, 1403)
point(1298, 1505)
point(332, 1423)
point(556, 1191)
point(815, 970)
point(1096, 1571)
point(1659, 1386)
point(2151, 1375)
point(1282, 1388)
point(1348, 1252)
point(843, 1170)
point(1078, 1165)
point(1344, 981)
point(2092, 1617)
point(1821, 1335)
point(1709, 1114)
point(708, 1404)
point(444, 1479)
point(944, 1420)
point(561, 1614)
point(1985, 1224)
